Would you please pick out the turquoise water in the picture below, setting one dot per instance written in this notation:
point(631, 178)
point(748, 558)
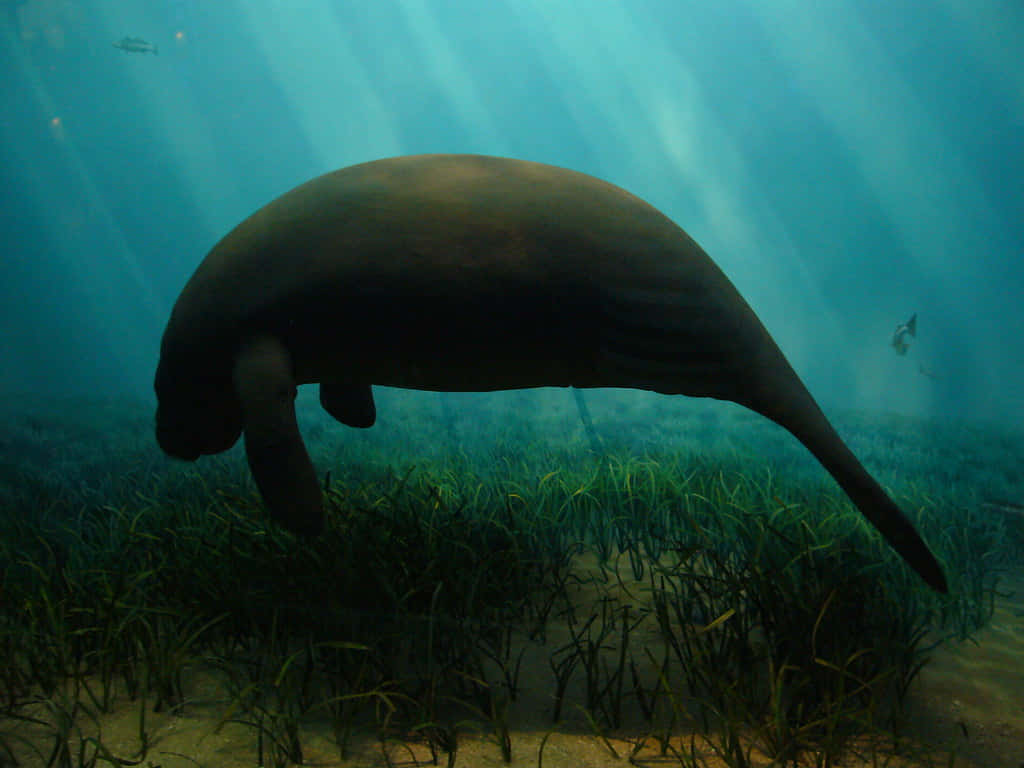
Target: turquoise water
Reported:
point(848, 166)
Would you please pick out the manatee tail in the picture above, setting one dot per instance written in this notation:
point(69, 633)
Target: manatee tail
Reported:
point(793, 408)
point(277, 456)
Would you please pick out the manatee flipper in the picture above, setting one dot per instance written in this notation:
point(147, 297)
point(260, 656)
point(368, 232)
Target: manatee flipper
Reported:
point(351, 404)
point(280, 465)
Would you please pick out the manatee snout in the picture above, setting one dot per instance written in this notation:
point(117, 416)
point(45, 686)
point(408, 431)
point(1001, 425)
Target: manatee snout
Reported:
point(173, 440)
point(198, 433)
point(196, 415)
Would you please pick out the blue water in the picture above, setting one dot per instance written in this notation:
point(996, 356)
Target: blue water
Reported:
point(847, 163)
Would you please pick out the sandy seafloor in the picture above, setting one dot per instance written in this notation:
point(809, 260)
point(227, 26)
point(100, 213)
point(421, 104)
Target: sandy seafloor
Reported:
point(967, 704)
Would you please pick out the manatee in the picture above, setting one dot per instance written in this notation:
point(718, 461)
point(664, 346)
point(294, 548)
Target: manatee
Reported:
point(465, 273)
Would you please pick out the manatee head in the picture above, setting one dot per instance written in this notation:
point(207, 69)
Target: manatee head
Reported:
point(197, 411)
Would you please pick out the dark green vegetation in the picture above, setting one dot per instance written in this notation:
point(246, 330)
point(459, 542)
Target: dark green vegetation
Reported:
point(704, 592)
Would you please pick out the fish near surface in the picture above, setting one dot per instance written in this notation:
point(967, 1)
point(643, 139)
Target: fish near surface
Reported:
point(465, 273)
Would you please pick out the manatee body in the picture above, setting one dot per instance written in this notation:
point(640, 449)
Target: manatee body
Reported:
point(465, 273)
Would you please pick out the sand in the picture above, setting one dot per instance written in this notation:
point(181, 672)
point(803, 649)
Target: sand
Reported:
point(969, 699)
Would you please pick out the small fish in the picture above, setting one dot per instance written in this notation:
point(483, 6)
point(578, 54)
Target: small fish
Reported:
point(903, 330)
point(136, 45)
point(926, 372)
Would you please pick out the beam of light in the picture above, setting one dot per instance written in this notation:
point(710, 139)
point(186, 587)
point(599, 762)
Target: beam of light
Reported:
point(328, 87)
point(452, 76)
point(587, 69)
point(167, 109)
point(993, 28)
point(47, 19)
point(925, 187)
point(638, 104)
point(86, 273)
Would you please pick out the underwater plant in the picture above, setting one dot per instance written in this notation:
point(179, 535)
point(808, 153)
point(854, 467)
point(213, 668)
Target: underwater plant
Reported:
point(675, 603)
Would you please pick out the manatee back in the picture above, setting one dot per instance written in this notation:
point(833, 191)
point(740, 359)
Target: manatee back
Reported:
point(464, 248)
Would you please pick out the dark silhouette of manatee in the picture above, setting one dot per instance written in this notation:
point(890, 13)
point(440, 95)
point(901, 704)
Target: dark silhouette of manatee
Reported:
point(465, 273)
